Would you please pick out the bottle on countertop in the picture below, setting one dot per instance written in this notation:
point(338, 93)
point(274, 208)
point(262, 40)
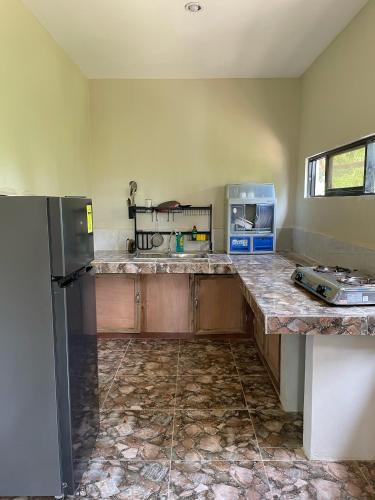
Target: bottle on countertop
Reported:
point(201, 237)
point(194, 233)
point(179, 242)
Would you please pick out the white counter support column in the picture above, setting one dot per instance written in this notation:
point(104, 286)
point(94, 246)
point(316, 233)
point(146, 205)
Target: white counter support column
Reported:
point(339, 402)
point(292, 372)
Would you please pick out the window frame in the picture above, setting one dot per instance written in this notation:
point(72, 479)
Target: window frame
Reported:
point(327, 155)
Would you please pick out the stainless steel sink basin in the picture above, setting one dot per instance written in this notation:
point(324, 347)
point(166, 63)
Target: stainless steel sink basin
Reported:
point(188, 256)
point(147, 256)
point(151, 255)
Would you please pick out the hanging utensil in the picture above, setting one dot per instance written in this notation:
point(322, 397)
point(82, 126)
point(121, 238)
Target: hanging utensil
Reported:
point(131, 245)
point(133, 189)
point(157, 239)
point(143, 241)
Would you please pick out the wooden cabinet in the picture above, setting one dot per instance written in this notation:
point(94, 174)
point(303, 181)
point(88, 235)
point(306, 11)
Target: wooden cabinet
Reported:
point(272, 354)
point(218, 304)
point(166, 303)
point(118, 303)
point(269, 348)
point(259, 336)
point(169, 303)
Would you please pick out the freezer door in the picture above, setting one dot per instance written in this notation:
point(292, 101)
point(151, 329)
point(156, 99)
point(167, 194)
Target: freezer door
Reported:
point(71, 235)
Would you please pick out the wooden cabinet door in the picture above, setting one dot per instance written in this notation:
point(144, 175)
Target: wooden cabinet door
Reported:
point(272, 354)
point(118, 303)
point(269, 347)
point(166, 303)
point(219, 305)
point(259, 336)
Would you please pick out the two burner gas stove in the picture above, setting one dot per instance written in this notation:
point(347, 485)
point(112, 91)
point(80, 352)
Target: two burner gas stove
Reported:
point(337, 285)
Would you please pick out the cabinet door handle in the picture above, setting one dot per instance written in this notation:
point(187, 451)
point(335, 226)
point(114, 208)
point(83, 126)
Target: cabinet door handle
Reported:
point(196, 302)
point(137, 297)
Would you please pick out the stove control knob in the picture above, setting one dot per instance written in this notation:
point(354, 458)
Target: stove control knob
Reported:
point(321, 290)
point(298, 276)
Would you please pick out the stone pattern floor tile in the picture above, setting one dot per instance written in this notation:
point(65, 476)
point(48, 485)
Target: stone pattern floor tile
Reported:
point(112, 345)
point(137, 392)
point(317, 480)
point(209, 391)
point(260, 393)
point(162, 346)
point(278, 429)
point(214, 435)
point(110, 358)
point(121, 479)
point(110, 355)
point(107, 371)
point(282, 454)
point(149, 363)
point(206, 363)
point(103, 392)
point(368, 470)
point(204, 344)
point(183, 419)
point(134, 435)
point(218, 480)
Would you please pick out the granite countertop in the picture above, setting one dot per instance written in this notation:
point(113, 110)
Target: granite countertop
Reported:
point(286, 308)
point(281, 306)
point(108, 262)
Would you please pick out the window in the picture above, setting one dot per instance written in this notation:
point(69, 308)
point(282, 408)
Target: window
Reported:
point(348, 170)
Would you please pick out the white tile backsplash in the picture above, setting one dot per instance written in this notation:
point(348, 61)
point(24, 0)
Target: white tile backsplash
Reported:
point(328, 250)
point(115, 239)
point(111, 239)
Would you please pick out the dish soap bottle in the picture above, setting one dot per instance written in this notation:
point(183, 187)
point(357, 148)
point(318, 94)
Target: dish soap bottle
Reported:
point(194, 233)
point(179, 242)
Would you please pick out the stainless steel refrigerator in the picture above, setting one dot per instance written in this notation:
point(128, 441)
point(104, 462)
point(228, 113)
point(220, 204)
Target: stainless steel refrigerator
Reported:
point(48, 348)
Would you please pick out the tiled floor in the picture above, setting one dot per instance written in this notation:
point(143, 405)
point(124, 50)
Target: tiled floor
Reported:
point(201, 420)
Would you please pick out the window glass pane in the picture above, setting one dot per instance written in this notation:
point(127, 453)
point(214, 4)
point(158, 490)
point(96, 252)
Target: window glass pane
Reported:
point(320, 177)
point(347, 169)
point(370, 168)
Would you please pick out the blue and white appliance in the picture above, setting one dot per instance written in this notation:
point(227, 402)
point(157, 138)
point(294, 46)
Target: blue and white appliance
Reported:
point(250, 214)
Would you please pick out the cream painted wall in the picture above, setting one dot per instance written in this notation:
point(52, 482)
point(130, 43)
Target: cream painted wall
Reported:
point(338, 106)
point(44, 113)
point(186, 139)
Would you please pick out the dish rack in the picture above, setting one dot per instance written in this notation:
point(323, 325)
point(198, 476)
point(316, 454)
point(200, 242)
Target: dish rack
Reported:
point(143, 238)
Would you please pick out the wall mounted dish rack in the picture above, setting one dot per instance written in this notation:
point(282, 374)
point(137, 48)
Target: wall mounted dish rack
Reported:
point(143, 238)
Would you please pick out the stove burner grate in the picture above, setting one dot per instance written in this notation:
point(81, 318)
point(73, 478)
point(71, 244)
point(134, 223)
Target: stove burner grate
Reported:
point(356, 280)
point(332, 269)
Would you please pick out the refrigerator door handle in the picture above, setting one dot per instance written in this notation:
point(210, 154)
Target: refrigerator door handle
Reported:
point(68, 282)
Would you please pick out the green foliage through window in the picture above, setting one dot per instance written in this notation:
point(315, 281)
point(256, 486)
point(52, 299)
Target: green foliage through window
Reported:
point(349, 170)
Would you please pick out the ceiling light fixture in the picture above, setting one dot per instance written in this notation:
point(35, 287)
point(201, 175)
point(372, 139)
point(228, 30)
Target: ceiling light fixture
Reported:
point(193, 7)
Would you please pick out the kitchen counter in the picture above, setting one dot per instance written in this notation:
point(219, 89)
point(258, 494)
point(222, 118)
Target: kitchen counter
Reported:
point(327, 369)
point(286, 308)
point(280, 306)
point(327, 353)
point(116, 262)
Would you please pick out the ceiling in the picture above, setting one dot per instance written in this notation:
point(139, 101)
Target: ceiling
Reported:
point(227, 39)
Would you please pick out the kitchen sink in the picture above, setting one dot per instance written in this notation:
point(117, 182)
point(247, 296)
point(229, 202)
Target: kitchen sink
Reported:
point(147, 256)
point(188, 255)
point(151, 255)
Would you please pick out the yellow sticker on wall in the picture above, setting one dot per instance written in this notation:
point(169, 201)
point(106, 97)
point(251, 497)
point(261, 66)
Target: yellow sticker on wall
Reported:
point(89, 218)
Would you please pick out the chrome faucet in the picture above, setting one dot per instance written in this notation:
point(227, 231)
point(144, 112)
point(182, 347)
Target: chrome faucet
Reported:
point(169, 242)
